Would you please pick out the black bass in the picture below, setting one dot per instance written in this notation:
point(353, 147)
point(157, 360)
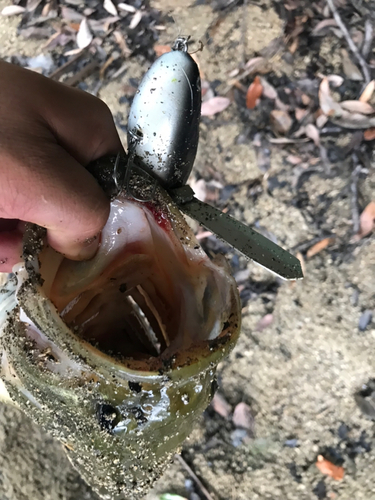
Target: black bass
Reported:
point(116, 356)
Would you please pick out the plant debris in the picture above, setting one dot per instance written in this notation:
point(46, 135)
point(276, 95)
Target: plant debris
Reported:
point(318, 247)
point(329, 469)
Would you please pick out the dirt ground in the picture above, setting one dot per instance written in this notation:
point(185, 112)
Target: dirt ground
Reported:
point(299, 375)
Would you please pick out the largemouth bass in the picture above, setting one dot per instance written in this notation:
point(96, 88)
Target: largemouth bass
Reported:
point(116, 356)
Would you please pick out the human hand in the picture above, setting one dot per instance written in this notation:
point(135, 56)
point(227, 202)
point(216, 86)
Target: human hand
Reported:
point(48, 133)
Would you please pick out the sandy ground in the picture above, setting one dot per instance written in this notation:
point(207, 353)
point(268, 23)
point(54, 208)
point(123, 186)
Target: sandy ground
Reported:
point(300, 374)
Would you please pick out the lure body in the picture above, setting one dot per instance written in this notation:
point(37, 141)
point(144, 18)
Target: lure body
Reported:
point(163, 125)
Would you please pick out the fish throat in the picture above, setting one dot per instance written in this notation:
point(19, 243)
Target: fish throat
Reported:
point(150, 291)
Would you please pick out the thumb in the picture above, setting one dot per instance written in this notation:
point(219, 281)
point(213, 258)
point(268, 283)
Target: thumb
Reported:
point(55, 191)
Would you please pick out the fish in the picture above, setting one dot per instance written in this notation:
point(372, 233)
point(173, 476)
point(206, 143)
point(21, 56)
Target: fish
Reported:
point(116, 356)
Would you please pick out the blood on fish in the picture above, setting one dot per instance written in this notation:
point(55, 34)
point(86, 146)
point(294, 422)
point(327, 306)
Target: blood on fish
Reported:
point(160, 216)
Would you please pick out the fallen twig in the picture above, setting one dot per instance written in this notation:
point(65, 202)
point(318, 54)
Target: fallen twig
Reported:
point(367, 42)
point(60, 71)
point(193, 476)
point(349, 41)
point(84, 73)
point(354, 191)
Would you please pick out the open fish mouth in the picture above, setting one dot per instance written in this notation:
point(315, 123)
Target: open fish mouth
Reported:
point(116, 356)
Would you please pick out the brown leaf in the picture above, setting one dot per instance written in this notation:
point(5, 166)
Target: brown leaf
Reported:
point(300, 113)
point(281, 122)
point(350, 69)
point(161, 49)
point(318, 247)
point(367, 93)
point(264, 322)
point(335, 80)
point(215, 105)
point(321, 120)
point(242, 417)
point(358, 107)
point(369, 134)
point(302, 261)
point(327, 104)
point(312, 133)
point(269, 90)
point(221, 406)
point(306, 100)
point(253, 93)
point(120, 40)
point(329, 469)
point(71, 15)
point(326, 23)
point(294, 160)
point(366, 221)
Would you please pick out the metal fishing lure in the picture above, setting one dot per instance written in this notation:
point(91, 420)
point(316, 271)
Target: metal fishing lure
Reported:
point(163, 132)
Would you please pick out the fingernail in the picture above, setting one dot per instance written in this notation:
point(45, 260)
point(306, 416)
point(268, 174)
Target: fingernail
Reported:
point(89, 248)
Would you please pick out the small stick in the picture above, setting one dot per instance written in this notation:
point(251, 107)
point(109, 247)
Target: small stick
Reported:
point(354, 191)
point(60, 71)
point(349, 41)
point(193, 476)
point(81, 75)
point(369, 34)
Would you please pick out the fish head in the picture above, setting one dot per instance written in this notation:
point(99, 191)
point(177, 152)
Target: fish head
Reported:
point(116, 356)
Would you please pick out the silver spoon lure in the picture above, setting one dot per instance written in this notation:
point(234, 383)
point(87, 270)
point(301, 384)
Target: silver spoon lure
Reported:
point(163, 133)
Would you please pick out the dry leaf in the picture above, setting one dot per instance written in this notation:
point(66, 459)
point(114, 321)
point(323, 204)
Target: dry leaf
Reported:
point(321, 120)
point(328, 105)
point(335, 80)
point(326, 23)
point(281, 122)
point(302, 261)
point(12, 10)
point(350, 69)
point(367, 93)
point(339, 115)
point(366, 221)
point(136, 19)
point(269, 90)
point(318, 247)
point(200, 188)
point(71, 15)
point(300, 113)
point(221, 406)
point(120, 40)
point(306, 100)
point(32, 5)
point(161, 49)
point(242, 417)
point(84, 35)
point(203, 235)
point(285, 140)
point(358, 107)
point(110, 7)
point(312, 133)
point(264, 322)
point(294, 160)
point(369, 134)
point(254, 62)
point(126, 7)
point(253, 93)
point(215, 105)
point(329, 469)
